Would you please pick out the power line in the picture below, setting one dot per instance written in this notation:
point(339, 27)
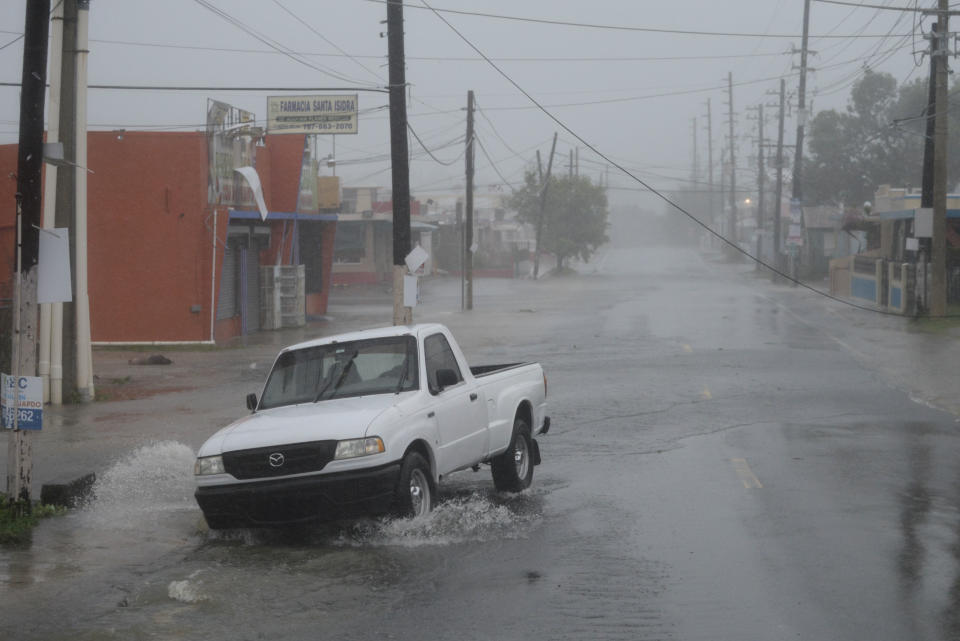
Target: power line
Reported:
point(223, 89)
point(586, 25)
point(270, 42)
point(430, 153)
point(328, 41)
point(656, 192)
point(859, 5)
point(493, 164)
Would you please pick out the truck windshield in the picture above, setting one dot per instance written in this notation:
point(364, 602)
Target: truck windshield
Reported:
point(338, 370)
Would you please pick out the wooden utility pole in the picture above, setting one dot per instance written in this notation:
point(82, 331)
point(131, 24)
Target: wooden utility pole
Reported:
point(463, 253)
point(695, 170)
point(543, 205)
point(761, 182)
point(711, 199)
point(468, 231)
point(938, 253)
point(29, 199)
point(732, 220)
point(801, 123)
point(402, 315)
point(779, 196)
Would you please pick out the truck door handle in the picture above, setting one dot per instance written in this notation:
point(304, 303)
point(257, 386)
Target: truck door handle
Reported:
point(473, 396)
point(431, 414)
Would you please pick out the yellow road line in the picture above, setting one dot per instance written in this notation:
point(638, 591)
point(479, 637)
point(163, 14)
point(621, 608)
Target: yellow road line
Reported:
point(747, 477)
point(687, 349)
point(705, 394)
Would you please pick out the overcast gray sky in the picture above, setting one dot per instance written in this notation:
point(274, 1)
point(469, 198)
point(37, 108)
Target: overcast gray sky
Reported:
point(632, 93)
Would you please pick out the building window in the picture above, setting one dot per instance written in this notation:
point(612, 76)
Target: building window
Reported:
point(349, 243)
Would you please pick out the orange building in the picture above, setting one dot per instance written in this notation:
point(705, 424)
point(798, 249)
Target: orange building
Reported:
point(164, 265)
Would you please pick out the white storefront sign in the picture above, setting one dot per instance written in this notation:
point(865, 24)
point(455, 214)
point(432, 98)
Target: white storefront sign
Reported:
point(312, 114)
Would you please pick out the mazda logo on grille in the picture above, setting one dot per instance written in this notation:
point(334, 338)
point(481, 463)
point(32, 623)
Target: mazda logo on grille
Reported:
point(276, 459)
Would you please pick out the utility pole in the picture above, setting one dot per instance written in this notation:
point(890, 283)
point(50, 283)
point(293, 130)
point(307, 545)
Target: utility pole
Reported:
point(28, 207)
point(402, 315)
point(761, 180)
point(723, 181)
point(711, 200)
point(463, 251)
point(468, 242)
point(543, 204)
point(63, 335)
point(732, 232)
point(926, 179)
point(938, 249)
point(49, 366)
point(696, 169)
point(779, 196)
point(797, 200)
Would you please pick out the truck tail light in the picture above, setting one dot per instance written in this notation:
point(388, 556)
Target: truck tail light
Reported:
point(544, 384)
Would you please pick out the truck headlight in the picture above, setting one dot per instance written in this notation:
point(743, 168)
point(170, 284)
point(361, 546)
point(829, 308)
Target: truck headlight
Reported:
point(359, 447)
point(208, 465)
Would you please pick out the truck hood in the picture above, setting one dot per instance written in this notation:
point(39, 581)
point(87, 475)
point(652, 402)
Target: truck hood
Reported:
point(335, 419)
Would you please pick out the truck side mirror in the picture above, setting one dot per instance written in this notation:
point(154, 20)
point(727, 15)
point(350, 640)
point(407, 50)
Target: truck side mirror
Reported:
point(251, 402)
point(446, 378)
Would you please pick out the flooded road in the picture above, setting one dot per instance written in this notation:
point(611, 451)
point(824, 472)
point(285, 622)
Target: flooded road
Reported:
point(720, 467)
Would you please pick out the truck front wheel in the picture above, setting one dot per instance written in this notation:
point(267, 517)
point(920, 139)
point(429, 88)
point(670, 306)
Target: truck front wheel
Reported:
point(414, 490)
point(513, 470)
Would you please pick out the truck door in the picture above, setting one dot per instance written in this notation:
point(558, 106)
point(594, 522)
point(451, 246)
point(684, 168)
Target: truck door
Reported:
point(461, 409)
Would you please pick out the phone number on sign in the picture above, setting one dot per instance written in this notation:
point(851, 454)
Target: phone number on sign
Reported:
point(26, 418)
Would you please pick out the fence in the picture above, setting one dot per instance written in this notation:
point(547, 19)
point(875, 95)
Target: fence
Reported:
point(867, 279)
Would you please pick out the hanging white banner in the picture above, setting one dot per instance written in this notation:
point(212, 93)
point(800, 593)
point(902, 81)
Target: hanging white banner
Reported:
point(250, 174)
point(53, 267)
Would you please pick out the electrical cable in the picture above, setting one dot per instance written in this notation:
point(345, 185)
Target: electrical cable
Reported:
point(868, 6)
point(430, 153)
point(273, 44)
point(653, 190)
point(329, 42)
point(585, 25)
point(492, 164)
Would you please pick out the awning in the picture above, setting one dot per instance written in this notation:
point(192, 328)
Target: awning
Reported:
point(282, 215)
point(904, 214)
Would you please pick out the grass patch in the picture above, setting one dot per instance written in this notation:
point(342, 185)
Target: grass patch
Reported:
point(18, 519)
point(948, 324)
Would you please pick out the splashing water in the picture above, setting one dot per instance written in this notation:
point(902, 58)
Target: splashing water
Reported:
point(153, 478)
point(473, 518)
point(187, 591)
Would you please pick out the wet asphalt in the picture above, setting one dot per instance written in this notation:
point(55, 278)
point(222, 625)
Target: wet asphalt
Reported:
point(729, 459)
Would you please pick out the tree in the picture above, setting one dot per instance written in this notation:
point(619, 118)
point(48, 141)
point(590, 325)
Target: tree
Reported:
point(575, 216)
point(877, 140)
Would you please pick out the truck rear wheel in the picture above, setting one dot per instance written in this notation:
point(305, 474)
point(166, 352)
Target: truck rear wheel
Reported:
point(513, 470)
point(414, 490)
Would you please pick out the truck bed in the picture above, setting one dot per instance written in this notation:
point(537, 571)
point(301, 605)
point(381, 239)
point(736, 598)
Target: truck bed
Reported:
point(480, 371)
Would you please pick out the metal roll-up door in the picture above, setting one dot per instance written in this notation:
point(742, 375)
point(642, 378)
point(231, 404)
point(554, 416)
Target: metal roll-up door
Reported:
point(252, 312)
point(227, 301)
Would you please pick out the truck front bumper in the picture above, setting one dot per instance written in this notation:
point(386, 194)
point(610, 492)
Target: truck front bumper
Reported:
point(322, 497)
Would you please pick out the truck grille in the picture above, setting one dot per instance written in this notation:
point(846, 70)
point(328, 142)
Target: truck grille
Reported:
point(280, 460)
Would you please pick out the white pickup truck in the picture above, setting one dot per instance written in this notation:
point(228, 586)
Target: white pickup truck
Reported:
point(368, 423)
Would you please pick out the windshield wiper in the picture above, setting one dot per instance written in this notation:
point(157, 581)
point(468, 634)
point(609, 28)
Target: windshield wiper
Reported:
point(343, 375)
